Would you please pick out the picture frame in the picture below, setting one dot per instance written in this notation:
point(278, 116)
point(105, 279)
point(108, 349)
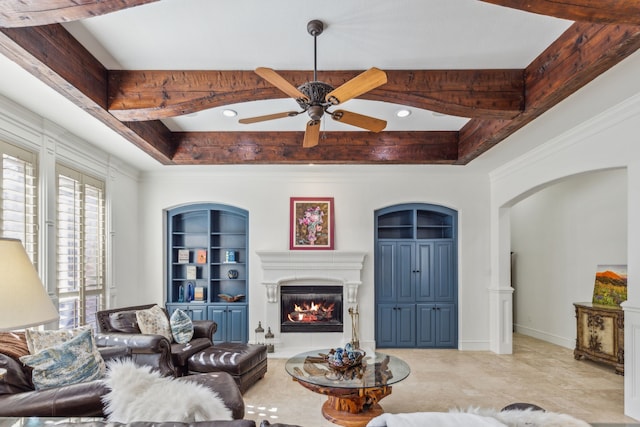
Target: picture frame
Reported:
point(311, 222)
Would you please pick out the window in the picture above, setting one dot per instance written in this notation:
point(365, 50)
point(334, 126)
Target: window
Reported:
point(80, 247)
point(18, 210)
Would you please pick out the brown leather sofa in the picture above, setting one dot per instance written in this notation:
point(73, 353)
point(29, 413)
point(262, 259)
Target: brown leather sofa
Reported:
point(246, 363)
point(119, 326)
point(18, 398)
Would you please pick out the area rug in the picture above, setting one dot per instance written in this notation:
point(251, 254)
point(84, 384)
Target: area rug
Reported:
point(137, 393)
point(478, 417)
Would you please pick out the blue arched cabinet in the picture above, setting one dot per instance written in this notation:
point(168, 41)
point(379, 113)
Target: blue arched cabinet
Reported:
point(416, 276)
point(212, 241)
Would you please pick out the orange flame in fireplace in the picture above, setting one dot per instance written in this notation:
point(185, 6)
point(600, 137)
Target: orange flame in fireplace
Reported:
point(311, 312)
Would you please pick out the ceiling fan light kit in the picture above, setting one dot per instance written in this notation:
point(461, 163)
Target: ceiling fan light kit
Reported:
point(316, 97)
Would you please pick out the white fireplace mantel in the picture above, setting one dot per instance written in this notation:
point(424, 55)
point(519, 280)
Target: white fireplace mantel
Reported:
point(313, 266)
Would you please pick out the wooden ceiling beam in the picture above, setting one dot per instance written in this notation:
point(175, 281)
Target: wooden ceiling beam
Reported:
point(152, 95)
point(578, 56)
point(51, 54)
point(28, 13)
point(594, 11)
point(220, 148)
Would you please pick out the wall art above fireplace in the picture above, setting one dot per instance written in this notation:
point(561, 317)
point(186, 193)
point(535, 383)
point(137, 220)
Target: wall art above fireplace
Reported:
point(311, 223)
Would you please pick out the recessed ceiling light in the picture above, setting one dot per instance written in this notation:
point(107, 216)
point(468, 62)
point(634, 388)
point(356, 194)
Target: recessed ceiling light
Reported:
point(403, 113)
point(229, 113)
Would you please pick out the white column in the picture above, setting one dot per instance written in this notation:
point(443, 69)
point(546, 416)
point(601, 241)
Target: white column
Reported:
point(501, 292)
point(632, 306)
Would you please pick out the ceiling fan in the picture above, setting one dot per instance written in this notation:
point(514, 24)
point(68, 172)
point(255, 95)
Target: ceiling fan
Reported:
point(316, 97)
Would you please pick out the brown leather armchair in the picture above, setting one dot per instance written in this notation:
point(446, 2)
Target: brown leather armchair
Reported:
point(119, 327)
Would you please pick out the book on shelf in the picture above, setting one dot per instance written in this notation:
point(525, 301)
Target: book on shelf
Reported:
point(201, 256)
point(230, 257)
point(199, 294)
point(183, 256)
point(191, 272)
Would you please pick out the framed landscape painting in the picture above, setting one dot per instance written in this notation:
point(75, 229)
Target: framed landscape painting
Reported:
point(611, 285)
point(311, 223)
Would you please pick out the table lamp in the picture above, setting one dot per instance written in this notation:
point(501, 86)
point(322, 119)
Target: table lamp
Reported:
point(24, 302)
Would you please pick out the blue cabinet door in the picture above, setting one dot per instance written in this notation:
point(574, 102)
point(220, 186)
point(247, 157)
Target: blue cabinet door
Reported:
point(193, 311)
point(218, 314)
point(386, 325)
point(405, 281)
point(386, 271)
point(426, 320)
point(424, 272)
point(446, 326)
point(396, 325)
point(444, 272)
point(237, 324)
point(232, 322)
point(406, 331)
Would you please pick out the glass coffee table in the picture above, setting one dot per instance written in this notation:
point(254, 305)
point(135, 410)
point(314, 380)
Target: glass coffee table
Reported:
point(353, 396)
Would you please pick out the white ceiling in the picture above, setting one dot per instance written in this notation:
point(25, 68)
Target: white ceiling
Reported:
point(246, 34)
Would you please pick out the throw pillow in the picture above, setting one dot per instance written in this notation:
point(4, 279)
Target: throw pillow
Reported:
point(70, 362)
point(124, 321)
point(181, 327)
point(153, 321)
point(39, 340)
point(138, 393)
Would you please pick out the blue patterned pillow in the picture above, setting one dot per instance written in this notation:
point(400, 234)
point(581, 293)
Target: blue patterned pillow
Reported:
point(70, 362)
point(181, 327)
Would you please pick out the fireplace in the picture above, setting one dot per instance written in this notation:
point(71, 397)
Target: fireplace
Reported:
point(339, 271)
point(311, 309)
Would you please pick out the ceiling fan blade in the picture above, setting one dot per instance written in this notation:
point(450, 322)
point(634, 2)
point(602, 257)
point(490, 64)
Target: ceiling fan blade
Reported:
point(278, 81)
point(359, 120)
point(311, 134)
point(268, 117)
point(362, 83)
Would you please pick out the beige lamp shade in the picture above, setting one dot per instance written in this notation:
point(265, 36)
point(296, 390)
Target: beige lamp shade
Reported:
point(23, 300)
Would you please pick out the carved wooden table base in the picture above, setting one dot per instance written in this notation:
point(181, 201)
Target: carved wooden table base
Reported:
point(350, 407)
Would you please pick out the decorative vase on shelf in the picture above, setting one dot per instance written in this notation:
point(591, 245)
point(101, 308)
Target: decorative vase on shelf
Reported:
point(181, 293)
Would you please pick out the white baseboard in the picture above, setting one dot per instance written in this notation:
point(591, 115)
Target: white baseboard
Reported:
point(545, 336)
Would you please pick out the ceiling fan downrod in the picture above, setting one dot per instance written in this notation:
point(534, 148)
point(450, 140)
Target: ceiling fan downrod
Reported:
point(315, 28)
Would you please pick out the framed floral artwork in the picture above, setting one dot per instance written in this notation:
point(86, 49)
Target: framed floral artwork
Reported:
point(311, 223)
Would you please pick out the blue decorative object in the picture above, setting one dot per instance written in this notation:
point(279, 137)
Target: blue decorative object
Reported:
point(181, 293)
point(190, 291)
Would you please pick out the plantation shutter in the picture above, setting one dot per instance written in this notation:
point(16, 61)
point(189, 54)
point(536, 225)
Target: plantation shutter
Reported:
point(18, 210)
point(80, 247)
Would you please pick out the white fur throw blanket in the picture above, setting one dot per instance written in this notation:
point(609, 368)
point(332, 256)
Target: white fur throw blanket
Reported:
point(138, 393)
point(478, 418)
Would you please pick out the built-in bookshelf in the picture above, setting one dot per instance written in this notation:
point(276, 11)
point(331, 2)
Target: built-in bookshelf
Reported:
point(207, 265)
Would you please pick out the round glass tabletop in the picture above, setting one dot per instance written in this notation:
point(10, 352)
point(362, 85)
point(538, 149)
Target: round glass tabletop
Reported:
point(376, 370)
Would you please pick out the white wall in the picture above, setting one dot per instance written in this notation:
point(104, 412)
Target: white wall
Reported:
point(54, 144)
point(559, 236)
point(358, 191)
point(564, 146)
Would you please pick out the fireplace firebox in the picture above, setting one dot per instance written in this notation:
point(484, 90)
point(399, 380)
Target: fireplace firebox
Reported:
point(311, 309)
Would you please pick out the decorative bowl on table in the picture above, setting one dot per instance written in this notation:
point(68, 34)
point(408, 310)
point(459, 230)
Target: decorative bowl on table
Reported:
point(344, 363)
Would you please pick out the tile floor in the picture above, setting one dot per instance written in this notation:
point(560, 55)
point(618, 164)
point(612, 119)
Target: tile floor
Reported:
point(537, 372)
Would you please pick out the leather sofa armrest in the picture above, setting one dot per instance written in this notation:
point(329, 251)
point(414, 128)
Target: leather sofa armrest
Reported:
point(116, 352)
point(77, 400)
point(147, 350)
point(138, 343)
point(204, 329)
